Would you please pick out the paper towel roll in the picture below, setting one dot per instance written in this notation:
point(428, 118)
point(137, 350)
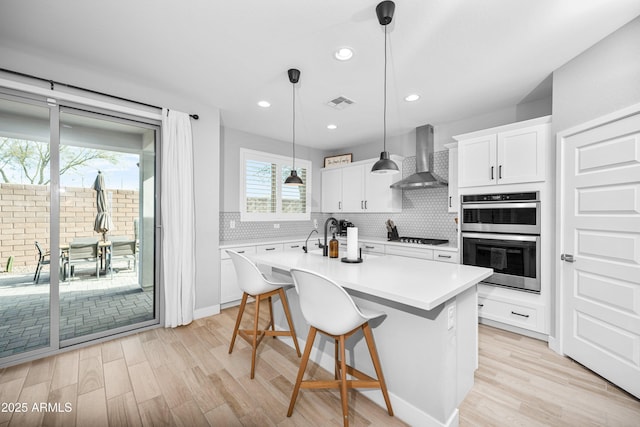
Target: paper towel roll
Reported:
point(352, 243)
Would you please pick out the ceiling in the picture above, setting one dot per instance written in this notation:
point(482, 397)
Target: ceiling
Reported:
point(464, 58)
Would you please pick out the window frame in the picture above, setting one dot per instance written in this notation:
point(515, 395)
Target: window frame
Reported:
point(280, 162)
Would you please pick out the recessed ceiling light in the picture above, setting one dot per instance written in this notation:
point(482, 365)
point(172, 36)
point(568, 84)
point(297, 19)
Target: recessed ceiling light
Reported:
point(264, 104)
point(343, 54)
point(332, 127)
point(412, 97)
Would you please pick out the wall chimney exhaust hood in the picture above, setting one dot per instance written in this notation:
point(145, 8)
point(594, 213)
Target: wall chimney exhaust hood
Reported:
point(424, 176)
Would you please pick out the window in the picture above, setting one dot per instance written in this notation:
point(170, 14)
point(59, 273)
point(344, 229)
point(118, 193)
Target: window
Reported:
point(264, 197)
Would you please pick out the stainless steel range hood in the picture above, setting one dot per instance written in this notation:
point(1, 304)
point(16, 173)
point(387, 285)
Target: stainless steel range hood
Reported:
point(424, 176)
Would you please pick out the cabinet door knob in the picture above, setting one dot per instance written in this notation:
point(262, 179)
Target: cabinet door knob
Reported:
point(491, 172)
point(450, 202)
point(500, 172)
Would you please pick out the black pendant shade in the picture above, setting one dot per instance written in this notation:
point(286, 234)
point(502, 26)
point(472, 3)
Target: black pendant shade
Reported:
point(294, 179)
point(385, 165)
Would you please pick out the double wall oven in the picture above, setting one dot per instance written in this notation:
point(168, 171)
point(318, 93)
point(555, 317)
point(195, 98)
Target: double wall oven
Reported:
point(502, 232)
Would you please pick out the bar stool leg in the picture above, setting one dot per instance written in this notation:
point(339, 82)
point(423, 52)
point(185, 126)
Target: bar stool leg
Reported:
point(343, 383)
point(254, 344)
point(238, 320)
point(336, 359)
point(287, 313)
point(273, 325)
point(303, 365)
point(376, 364)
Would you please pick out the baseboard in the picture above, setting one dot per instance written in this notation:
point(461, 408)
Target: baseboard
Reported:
point(212, 310)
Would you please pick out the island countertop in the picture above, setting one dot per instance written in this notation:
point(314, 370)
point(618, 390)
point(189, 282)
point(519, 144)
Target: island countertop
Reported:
point(414, 282)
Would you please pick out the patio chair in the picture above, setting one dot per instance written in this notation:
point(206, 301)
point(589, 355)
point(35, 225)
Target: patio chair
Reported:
point(123, 247)
point(44, 258)
point(82, 250)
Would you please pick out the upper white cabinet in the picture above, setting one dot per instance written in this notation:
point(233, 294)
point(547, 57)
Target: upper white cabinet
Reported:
point(354, 188)
point(509, 154)
point(453, 203)
point(332, 190)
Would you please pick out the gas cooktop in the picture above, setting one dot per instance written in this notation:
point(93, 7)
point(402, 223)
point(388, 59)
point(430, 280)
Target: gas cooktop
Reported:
point(420, 241)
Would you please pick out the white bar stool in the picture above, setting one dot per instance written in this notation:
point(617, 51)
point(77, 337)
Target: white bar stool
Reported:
point(253, 283)
point(329, 309)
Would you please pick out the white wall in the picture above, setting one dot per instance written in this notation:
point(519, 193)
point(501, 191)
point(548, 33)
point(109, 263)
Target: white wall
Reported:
point(602, 79)
point(231, 142)
point(206, 139)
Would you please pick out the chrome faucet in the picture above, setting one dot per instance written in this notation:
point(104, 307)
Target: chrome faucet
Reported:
point(325, 248)
point(304, 248)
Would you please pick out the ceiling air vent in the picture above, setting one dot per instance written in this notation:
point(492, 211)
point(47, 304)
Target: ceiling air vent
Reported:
point(340, 103)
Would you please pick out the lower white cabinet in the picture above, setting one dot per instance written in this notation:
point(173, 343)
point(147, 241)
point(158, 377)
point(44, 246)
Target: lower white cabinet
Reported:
point(293, 246)
point(274, 247)
point(229, 290)
point(372, 248)
point(446, 256)
point(512, 312)
point(409, 252)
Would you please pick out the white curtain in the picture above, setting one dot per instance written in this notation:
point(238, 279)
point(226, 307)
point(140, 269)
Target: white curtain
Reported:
point(178, 218)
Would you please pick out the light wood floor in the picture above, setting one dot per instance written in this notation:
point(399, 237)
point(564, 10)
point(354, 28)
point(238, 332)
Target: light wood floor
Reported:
point(184, 376)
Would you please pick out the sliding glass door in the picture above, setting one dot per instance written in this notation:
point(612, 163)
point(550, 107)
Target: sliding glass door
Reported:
point(26, 255)
point(107, 218)
point(78, 229)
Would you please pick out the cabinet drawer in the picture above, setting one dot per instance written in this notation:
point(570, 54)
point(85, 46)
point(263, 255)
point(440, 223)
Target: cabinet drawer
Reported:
point(446, 256)
point(244, 250)
point(409, 252)
point(293, 246)
point(276, 247)
point(520, 315)
point(372, 248)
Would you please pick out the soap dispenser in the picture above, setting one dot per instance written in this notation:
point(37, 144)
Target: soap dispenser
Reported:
point(333, 247)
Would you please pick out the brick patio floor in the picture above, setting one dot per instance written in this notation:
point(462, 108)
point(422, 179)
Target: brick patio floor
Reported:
point(87, 305)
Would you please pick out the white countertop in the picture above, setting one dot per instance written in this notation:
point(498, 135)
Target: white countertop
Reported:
point(414, 282)
point(226, 244)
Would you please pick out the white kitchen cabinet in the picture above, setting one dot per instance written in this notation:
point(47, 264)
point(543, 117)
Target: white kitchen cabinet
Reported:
point(229, 291)
point(509, 154)
point(273, 247)
point(353, 182)
point(511, 312)
point(446, 256)
point(293, 246)
point(332, 190)
point(353, 188)
point(453, 203)
point(372, 248)
point(409, 252)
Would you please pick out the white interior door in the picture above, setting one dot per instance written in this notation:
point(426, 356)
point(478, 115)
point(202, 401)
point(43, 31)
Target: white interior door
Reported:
point(600, 226)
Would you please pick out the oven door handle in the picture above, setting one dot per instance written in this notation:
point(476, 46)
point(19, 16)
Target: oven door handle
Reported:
point(501, 205)
point(514, 237)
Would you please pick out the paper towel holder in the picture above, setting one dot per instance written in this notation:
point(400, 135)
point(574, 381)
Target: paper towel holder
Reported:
point(353, 261)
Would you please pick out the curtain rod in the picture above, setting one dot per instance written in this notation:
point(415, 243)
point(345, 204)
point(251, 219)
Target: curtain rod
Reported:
point(53, 83)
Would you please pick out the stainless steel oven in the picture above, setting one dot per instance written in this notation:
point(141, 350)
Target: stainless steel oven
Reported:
point(502, 232)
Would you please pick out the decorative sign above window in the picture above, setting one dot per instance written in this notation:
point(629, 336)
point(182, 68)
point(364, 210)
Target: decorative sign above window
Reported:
point(339, 160)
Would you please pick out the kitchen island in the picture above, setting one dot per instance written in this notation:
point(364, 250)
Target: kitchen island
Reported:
point(427, 342)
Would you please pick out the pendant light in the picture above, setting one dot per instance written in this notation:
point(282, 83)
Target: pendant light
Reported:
point(294, 179)
point(385, 165)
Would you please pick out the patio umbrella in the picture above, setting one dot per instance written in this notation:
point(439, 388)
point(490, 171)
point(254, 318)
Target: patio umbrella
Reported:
point(103, 221)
